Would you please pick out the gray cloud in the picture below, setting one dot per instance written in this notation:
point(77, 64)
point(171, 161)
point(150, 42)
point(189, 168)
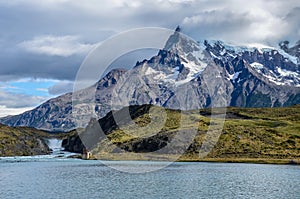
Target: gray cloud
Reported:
point(64, 46)
point(61, 87)
point(293, 30)
point(216, 24)
point(238, 27)
point(17, 65)
point(49, 39)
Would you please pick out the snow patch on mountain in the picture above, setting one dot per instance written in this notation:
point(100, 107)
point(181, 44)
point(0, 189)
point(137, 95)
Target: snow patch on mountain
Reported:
point(286, 73)
point(280, 77)
point(173, 76)
point(289, 57)
point(150, 71)
point(234, 76)
point(257, 66)
point(240, 49)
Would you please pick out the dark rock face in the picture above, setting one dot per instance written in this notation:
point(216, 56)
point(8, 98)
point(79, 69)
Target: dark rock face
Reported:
point(107, 125)
point(184, 75)
point(73, 144)
point(151, 144)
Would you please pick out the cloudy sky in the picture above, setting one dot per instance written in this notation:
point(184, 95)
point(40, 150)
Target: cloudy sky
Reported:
point(43, 42)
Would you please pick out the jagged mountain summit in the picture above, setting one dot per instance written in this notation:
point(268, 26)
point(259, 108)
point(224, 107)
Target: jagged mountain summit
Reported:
point(183, 75)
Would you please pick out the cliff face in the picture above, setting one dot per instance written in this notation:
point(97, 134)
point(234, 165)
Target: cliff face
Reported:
point(22, 141)
point(73, 143)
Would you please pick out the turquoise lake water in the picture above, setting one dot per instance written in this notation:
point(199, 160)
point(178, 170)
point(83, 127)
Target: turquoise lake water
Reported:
point(71, 178)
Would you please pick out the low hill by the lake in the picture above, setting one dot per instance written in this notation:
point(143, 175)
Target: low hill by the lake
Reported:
point(249, 135)
point(22, 141)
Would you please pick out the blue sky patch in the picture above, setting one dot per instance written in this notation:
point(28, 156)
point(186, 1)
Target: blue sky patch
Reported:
point(30, 87)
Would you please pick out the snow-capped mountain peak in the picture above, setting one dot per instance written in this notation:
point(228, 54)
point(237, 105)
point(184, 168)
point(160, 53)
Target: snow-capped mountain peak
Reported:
point(275, 65)
point(185, 70)
point(181, 60)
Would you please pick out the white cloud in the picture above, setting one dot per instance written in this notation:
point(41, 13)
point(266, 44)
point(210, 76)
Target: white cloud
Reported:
point(42, 90)
point(35, 80)
point(17, 100)
point(4, 111)
point(56, 46)
point(28, 93)
point(266, 19)
point(245, 26)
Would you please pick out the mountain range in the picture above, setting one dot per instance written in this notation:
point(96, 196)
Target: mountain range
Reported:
point(184, 75)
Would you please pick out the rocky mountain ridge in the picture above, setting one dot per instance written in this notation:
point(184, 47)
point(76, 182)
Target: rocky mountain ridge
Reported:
point(184, 75)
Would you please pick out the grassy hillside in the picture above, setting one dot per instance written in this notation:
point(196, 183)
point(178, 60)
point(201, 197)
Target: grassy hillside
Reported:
point(258, 134)
point(17, 141)
point(249, 135)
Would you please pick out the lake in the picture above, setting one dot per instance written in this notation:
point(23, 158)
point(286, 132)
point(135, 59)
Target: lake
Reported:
point(48, 177)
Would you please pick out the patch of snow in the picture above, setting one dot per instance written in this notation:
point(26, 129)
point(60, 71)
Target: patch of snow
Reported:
point(257, 65)
point(195, 67)
point(245, 47)
point(214, 56)
point(159, 76)
point(223, 52)
point(284, 72)
point(231, 55)
point(150, 71)
point(261, 48)
point(156, 75)
point(291, 58)
point(198, 54)
point(274, 80)
point(280, 79)
point(239, 80)
point(234, 76)
point(172, 77)
point(178, 83)
point(195, 70)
